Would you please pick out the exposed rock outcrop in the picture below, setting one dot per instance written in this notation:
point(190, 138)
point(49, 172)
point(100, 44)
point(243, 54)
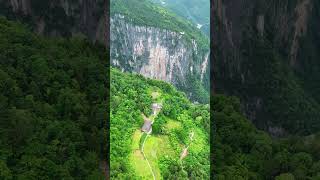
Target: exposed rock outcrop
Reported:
point(62, 17)
point(156, 53)
point(284, 25)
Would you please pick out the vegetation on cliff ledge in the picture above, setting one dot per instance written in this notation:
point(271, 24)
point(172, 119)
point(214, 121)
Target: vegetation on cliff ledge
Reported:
point(146, 13)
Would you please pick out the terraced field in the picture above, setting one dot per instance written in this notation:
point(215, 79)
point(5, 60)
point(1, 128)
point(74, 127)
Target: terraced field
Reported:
point(152, 124)
point(148, 150)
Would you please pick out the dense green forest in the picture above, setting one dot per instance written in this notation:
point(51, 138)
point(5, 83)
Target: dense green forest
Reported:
point(148, 14)
point(144, 12)
point(53, 106)
point(281, 96)
point(240, 151)
point(274, 92)
point(57, 19)
point(179, 124)
point(197, 11)
point(287, 102)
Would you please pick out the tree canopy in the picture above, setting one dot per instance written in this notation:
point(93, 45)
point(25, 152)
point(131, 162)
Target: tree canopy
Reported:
point(53, 104)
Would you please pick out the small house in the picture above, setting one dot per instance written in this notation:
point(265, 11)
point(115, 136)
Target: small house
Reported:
point(147, 127)
point(156, 108)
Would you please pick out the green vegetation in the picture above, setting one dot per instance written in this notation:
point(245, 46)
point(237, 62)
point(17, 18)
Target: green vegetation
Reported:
point(58, 18)
point(284, 96)
point(309, 64)
point(142, 139)
point(52, 106)
point(240, 151)
point(270, 87)
point(171, 124)
point(286, 103)
point(136, 157)
point(132, 95)
point(144, 12)
point(197, 11)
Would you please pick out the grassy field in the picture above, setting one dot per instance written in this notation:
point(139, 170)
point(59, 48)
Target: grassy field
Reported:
point(172, 124)
point(157, 146)
point(152, 152)
point(154, 148)
point(137, 160)
point(174, 118)
point(156, 94)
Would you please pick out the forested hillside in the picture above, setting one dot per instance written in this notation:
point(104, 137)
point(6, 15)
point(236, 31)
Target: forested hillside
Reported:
point(240, 151)
point(177, 147)
point(197, 11)
point(267, 54)
point(144, 12)
point(151, 40)
point(157, 132)
point(52, 106)
point(65, 18)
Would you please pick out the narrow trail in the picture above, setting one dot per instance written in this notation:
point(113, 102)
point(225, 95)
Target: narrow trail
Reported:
point(145, 157)
point(186, 149)
point(155, 113)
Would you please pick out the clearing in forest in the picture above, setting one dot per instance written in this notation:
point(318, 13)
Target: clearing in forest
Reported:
point(148, 149)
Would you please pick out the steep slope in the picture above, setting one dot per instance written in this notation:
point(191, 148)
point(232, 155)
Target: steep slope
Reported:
point(177, 126)
point(149, 40)
point(52, 106)
point(266, 53)
point(61, 18)
point(197, 11)
point(240, 151)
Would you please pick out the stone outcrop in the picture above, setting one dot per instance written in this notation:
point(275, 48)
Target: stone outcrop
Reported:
point(156, 53)
point(62, 17)
point(288, 26)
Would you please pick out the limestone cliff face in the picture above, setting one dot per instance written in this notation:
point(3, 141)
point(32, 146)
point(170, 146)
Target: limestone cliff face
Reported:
point(287, 20)
point(20, 5)
point(289, 26)
point(156, 53)
point(61, 17)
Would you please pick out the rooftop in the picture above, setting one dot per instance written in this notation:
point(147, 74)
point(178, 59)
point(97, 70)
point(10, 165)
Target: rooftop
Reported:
point(147, 126)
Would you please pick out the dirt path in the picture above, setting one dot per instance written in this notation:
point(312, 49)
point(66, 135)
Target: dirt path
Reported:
point(185, 150)
point(145, 157)
point(155, 112)
point(142, 148)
